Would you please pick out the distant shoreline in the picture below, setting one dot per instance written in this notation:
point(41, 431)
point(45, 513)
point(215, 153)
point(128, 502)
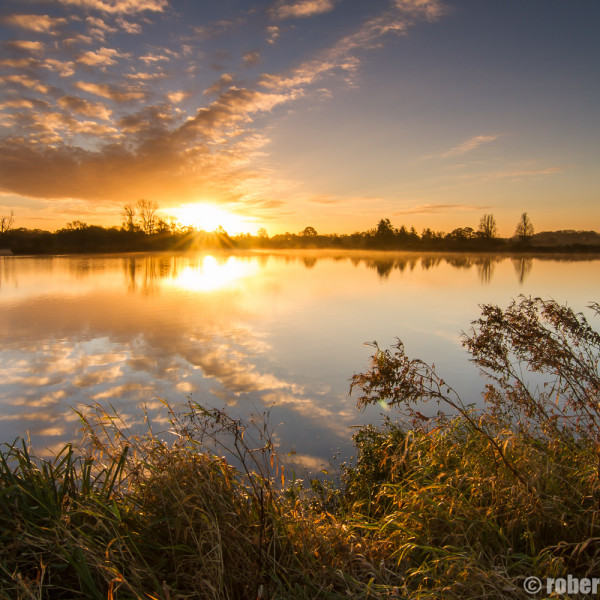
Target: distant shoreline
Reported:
point(90, 239)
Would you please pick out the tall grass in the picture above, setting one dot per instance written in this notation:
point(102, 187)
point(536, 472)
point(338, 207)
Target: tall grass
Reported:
point(166, 516)
point(417, 513)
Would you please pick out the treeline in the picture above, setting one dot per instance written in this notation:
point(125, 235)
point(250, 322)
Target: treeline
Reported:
point(83, 238)
point(152, 234)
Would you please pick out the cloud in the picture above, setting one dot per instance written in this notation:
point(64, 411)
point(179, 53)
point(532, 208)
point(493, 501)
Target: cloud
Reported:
point(205, 152)
point(18, 103)
point(18, 63)
point(110, 92)
point(149, 119)
point(150, 59)
point(177, 97)
point(251, 58)
point(128, 26)
point(144, 76)
point(469, 145)
point(84, 107)
point(272, 34)
point(38, 23)
point(427, 9)
point(118, 6)
point(518, 172)
point(427, 209)
point(223, 83)
point(302, 8)
point(233, 107)
point(25, 45)
point(98, 28)
point(101, 57)
point(26, 82)
point(324, 199)
point(63, 68)
point(341, 57)
point(138, 146)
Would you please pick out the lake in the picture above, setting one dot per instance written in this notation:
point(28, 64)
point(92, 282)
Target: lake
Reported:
point(256, 331)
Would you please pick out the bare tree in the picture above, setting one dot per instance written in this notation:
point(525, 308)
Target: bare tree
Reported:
point(524, 229)
point(147, 211)
point(487, 227)
point(6, 223)
point(128, 214)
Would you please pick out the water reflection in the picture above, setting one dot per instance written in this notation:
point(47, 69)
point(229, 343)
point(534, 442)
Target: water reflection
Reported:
point(523, 266)
point(212, 274)
point(486, 269)
point(250, 330)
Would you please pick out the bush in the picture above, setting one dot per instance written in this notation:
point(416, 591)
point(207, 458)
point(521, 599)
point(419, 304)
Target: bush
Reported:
point(511, 490)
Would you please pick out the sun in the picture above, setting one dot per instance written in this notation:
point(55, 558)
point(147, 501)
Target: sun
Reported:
point(208, 216)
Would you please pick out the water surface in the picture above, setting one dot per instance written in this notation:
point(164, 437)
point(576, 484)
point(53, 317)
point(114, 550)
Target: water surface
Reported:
point(255, 331)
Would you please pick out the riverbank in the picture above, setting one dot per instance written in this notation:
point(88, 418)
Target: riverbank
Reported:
point(86, 239)
point(416, 514)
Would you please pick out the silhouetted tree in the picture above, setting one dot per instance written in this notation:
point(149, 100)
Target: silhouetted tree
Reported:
point(384, 229)
point(77, 225)
point(164, 226)
point(461, 233)
point(128, 214)
point(147, 211)
point(309, 232)
point(262, 233)
point(6, 223)
point(524, 229)
point(487, 227)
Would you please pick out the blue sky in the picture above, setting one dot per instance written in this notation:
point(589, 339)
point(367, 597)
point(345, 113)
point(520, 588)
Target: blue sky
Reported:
point(288, 113)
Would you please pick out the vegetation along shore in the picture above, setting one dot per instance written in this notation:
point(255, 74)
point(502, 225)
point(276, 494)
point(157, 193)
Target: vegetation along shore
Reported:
point(467, 504)
point(142, 229)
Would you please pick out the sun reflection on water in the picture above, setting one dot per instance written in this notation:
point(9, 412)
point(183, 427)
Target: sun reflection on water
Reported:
point(212, 274)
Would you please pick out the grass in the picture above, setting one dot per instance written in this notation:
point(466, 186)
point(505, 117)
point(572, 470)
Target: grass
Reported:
point(417, 514)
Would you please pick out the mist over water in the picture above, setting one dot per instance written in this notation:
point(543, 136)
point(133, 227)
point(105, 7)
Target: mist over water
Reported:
point(258, 332)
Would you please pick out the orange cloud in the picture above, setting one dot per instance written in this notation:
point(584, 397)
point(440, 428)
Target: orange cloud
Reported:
point(26, 46)
point(38, 23)
point(84, 107)
point(110, 92)
point(119, 6)
point(101, 57)
point(469, 145)
point(303, 8)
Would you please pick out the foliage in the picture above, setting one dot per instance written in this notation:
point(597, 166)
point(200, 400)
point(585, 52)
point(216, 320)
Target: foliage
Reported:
point(524, 229)
point(513, 485)
point(540, 337)
point(146, 210)
point(142, 229)
point(165, 515)
point(487, 227)
point(6, 222)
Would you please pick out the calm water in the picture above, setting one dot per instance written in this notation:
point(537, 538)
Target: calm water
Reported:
point(253, 331)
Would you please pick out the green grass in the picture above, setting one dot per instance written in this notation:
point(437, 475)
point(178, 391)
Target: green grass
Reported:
point(417, 514)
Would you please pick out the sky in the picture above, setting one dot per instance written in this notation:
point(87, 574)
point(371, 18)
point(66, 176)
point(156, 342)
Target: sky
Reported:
point(293, 113)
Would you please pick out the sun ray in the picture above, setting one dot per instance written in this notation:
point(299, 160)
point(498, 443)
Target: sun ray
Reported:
point(208, 217)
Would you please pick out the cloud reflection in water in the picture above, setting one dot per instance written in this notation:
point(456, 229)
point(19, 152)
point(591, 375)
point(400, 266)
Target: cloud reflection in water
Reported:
point(283, 332)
